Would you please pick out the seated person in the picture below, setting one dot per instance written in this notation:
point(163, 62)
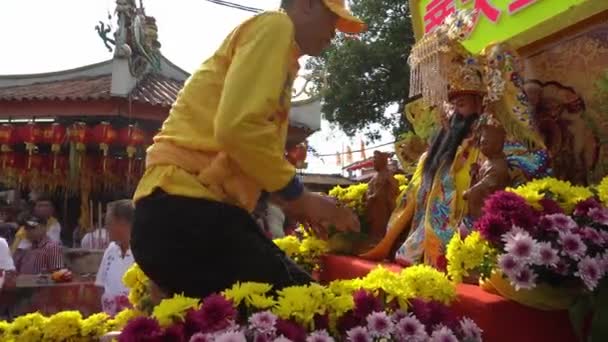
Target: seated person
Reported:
point(7, 267)
point(43, 209)
point(117, 258)
point(44, 255)
point(97, 239)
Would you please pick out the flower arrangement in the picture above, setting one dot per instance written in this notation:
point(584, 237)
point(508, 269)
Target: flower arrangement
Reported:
point(353, 196)
point(384, 306)
point(547, 235)
point(304, 248)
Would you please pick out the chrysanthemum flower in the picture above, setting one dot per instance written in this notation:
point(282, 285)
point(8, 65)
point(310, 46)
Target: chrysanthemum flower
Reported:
point(590, 271)
point(509, 265)
point(379, 324)
point(263, 322)
point(572, 245)
point(411, 329)
point(561, 223)
point(470, 331)
point(547, 254)
point(231, 336)
point(358, 334)
point(443, 334)
point(599, 215)
point(365, 303)
point(524, 279)
point(593, 236)
point(141, 329)
point(523, 247)
point(319, 336)
point(200, 337)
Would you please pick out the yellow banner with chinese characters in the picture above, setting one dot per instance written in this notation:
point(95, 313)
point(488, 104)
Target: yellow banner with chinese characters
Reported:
point(520, 22)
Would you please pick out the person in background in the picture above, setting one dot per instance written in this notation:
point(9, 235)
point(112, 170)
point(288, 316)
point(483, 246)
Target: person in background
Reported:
point(97, 239)
point(7, 267)
point(44, 210)
point(44, 255)
point(117, 258)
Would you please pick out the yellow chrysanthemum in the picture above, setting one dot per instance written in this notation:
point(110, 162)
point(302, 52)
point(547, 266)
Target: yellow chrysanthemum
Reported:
point(563, 192)
point(29, 325)
point(345, 287)
point(122, 318)
point(301, 303)
point(289, 244)
point(261, 302)
point(174, 309)
point(95, 325)
point(422, 281)
point(602, 190)
point(63, 326)
point(466, 255)
point(4, 328)
point(243, 292)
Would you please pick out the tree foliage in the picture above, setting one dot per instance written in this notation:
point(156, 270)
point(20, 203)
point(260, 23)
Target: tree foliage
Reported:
point(365, 75)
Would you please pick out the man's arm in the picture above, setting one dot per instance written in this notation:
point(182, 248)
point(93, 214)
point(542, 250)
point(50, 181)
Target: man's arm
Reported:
point(257, 78)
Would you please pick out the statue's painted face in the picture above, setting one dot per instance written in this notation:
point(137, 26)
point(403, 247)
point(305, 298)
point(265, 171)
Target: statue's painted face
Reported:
point(467, 104)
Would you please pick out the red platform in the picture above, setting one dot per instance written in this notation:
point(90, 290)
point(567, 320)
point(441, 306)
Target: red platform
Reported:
point(502, 320)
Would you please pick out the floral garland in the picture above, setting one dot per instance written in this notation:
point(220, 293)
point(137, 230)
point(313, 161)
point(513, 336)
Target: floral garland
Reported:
point(383, 306)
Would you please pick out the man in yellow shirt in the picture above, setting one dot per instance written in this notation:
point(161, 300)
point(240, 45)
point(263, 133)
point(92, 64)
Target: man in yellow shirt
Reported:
point(222, 147)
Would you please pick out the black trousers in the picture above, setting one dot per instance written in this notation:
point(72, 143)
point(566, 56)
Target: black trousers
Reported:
point(198, 247)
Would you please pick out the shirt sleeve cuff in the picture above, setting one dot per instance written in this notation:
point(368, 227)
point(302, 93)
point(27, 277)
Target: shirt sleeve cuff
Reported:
point(292, 190)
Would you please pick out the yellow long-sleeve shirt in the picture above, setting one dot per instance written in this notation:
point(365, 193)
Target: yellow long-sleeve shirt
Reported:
point(236, 105)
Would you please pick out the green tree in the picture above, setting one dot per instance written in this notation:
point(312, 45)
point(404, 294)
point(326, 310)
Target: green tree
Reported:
point(361, 77)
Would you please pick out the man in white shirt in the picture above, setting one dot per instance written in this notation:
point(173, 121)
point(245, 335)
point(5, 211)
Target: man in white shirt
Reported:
point(117, 258)
point(7, 267)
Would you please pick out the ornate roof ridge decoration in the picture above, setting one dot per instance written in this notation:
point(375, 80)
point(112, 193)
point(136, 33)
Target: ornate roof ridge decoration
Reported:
point(135, 39)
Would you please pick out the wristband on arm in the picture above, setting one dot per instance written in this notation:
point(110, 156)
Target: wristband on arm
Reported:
point(292, 190)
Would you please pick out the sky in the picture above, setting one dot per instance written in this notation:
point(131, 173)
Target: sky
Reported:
point(41, 36)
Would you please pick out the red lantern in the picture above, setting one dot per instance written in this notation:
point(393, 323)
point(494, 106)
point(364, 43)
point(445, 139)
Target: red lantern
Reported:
point(55, 136)
point(104, 135)
point(131, 137)
point(8, 137)
point(80, 135)
point(30, 134)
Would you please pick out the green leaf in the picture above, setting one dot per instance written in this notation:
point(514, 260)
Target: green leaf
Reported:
point(578, 312)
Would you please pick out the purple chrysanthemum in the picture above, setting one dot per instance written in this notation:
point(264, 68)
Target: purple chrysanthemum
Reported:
point(432, 313)
point(470, 330)
point(590, 270)
point(201, 337)
point(561, 223)
point(550, 206)
point(398, 315)
point(319, 336)
point(512, 207)
point(348, 321)
point(509, 265)
point(492, 227)
point(379, 324)
point(216, 313)
point(141, 329)
point(524, 279)
point(582, 208)
point(409, 328)
point(263, 322)
point(358, 334)
point(443, 334)
point(592, 235)
point(522, 247)
point(291, 330)
point(547, 255)
point(365, 303)
point(599, 215)
point(282, 339)
point(175, 333)
point(231, 336)
point(572, 245)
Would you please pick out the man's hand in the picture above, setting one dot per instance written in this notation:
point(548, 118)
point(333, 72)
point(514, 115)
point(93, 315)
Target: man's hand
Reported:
point(322, 211)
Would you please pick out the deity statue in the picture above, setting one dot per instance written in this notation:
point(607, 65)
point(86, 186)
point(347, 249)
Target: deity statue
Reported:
point(380, 198)
point(493, 175)
point(470, 90)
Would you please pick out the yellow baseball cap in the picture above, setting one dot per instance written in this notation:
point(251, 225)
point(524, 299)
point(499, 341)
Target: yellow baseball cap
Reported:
point(347, 22)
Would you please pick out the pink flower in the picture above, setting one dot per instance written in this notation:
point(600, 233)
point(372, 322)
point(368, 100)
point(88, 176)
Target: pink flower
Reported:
point(443, 334)
point(550, 206)
point(470, 331)
point(217, 313)
point(582, 208)
point(379, 324)
point(320, 336)
point(590, 271)
point(259, 337)
point(358, 334)
point(411, 329)
point(513, 208)
point(562, 268)
point(599, 215)
point(365, 303)
point(525, 279)
point(282, 339)
point(523, 247)
point(398, 315)
point(509, 265)
point(547, 254)
point(263, 322)
point(592, 235)
point(231, 336)
point(561, 223)
point(141, 329)
point(572, 245)
point(492, 227)
point(200, 337)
